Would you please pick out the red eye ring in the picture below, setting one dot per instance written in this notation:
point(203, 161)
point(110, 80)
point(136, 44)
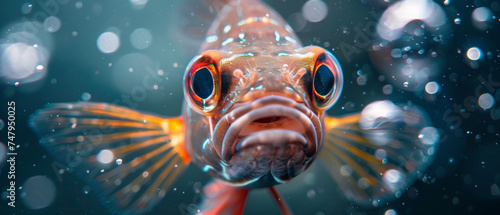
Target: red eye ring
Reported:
point(327, 78)
point(202, 82)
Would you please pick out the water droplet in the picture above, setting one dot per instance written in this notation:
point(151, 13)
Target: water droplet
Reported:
point(457, 21)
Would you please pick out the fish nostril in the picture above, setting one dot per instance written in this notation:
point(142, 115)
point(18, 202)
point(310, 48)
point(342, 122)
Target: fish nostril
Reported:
point(268, 119)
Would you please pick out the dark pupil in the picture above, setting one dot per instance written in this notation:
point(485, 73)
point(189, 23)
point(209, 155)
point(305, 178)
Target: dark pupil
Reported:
point(323, 80)
point(203, 83)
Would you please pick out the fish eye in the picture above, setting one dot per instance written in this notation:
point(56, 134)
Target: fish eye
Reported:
point(203, 83)
point(323, 80)
point(327, 79)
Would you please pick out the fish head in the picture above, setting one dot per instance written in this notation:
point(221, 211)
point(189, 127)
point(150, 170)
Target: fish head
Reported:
point(263, 111)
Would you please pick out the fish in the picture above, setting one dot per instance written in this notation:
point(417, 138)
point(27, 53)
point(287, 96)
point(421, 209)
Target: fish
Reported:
point(254, 117)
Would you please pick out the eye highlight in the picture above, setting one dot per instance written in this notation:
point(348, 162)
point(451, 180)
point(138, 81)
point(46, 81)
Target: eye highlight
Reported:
point(323, 80)
point(203, 83)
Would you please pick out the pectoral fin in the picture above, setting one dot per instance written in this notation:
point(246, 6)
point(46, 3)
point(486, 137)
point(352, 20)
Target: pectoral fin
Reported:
point(127, 158)
point(376, 154)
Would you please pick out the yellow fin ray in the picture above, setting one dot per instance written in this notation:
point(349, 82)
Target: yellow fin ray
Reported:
point(376, 154)
point(128, 159)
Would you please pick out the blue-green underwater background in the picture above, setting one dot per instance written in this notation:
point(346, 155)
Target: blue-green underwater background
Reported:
point(446, 63)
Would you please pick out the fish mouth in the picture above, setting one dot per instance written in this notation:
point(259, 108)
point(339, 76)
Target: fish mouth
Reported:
point(271, 122)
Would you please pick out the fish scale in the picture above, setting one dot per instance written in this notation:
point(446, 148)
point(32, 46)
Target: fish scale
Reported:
point(252, 29)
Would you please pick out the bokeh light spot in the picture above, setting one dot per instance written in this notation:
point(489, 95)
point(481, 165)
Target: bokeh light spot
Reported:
point(141, 38)
point(52, 24)
point(314, 10)
point(105, 156)
point(86, 96)
point(474, 53)
point(390, 212)
point(139, 4)
point(26, 8)
point(486, 101)
point(432, 87)
point(40, 192)
point(31, 57)
point(482, 18)
point(481, 14)
point(428, 135)
point(108, 42)
point(387, 89)
point(393, 176)
point(78, 4)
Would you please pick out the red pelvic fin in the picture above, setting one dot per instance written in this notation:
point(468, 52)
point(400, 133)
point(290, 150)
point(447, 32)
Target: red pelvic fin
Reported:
point(223, 199)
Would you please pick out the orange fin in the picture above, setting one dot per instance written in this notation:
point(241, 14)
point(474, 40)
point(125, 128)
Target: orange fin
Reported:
point(127, 158)
point(376, 154)
point(223, 199)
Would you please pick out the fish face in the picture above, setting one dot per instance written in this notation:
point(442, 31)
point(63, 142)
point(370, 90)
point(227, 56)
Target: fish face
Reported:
point(261, 113)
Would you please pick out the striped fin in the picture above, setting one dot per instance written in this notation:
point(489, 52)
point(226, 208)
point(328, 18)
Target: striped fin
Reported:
point(127, 158)
point(376, 154)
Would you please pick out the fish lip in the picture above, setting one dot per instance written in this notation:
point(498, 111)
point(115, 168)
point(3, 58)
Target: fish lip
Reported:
point(275, 137)
point(232, 123)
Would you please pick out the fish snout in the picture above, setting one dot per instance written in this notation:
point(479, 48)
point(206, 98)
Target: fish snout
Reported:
point(271, 131)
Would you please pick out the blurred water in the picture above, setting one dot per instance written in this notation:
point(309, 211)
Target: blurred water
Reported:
point(442, 56)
